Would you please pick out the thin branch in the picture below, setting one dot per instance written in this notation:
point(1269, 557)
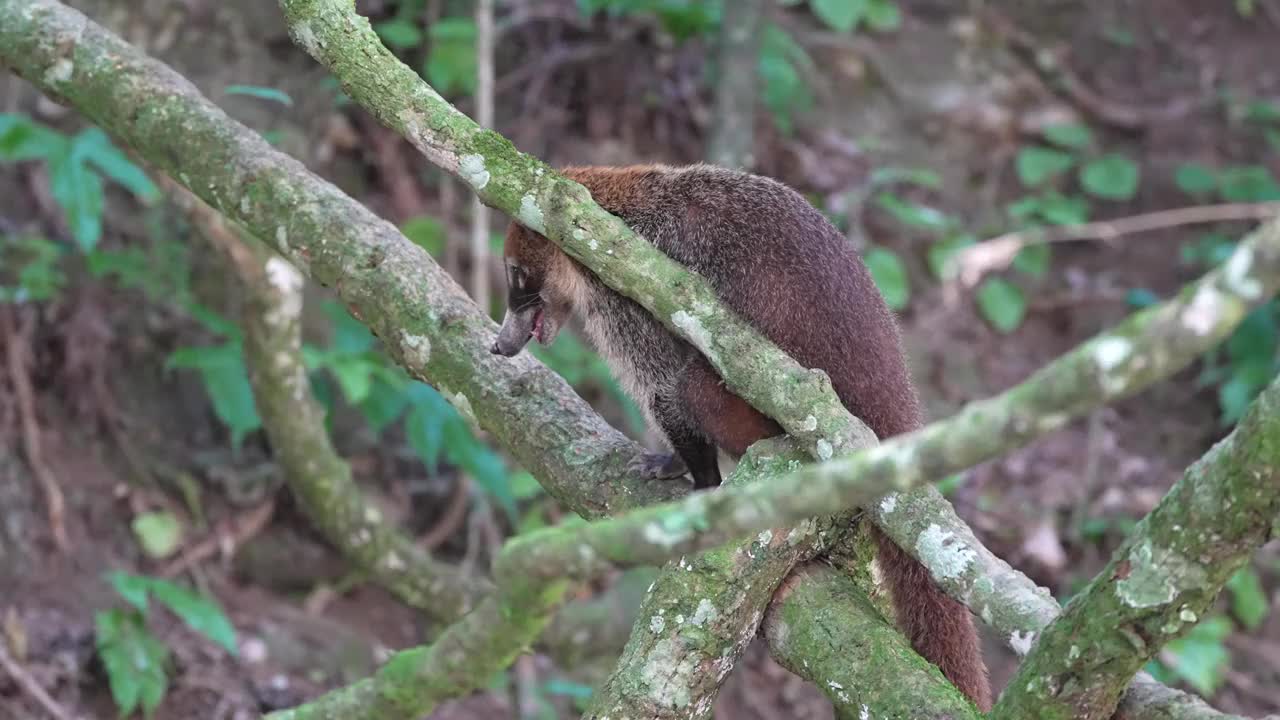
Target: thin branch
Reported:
point(971, 264)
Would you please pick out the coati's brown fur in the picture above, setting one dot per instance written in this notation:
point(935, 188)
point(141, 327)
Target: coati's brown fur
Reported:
point(785, 269)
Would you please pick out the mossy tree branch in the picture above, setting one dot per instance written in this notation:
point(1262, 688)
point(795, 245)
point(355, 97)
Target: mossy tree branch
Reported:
point(1160, 581)
point(160, 115)
point(534, 568)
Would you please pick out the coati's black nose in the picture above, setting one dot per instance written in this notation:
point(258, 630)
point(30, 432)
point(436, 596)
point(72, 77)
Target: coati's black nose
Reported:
point(494, 348)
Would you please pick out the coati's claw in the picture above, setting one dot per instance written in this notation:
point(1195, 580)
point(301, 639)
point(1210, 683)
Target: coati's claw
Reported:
point(659, 466)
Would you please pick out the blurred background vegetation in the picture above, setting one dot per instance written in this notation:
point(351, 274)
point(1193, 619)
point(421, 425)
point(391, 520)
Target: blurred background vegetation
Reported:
point(920, 127)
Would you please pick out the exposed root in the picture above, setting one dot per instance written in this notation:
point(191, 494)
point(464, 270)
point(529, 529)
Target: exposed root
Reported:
point(16, 340)
point(31, 687)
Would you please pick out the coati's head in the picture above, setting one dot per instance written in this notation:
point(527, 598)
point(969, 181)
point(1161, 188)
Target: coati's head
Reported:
point(542, 286)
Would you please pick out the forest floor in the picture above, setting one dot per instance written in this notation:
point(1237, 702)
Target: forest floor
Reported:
point(1053, 510)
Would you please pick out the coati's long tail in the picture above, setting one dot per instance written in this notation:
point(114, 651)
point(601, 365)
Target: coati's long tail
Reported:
point(939, 628)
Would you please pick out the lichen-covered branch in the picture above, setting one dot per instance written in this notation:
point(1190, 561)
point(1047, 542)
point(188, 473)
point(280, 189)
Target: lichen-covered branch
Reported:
point(702, 611)
point(524, 187)
point(425, 320)
point(1160, 581)
point(294, 423)
point(821, 627)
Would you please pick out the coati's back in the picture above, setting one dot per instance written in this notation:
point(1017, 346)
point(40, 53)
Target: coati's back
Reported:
point(778, 262)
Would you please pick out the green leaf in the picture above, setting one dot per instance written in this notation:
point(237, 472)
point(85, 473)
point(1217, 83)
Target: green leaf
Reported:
point(912, 214)
point(159, 533)
point(384, 404)
point(1139, 298)
point(130, 587)
point(1248, 599)
point(197, 611)
point(839, 15)
point(482, 464)
point(78, 191)
point(426, 232)
point(134, 660)
point(1073, 135)
point(424, 426)
point(1195, 179)
point(912, 176)
point(1033, 259)
point(524, 485)
point(1113, 177)
point(226, 381)
point(1248, 184)
point(890, 276)
point(1002, 304)
point(567, 687)
point(451, 62)
point(1234, 397)
point(23, 139)
point(399, 34)
point(262, 93)
point(883, 15)
point(94, 146)
point(1200, 657)
point(1262, 111)
point(354, 376)
point(350, 336)
point(1036, 165)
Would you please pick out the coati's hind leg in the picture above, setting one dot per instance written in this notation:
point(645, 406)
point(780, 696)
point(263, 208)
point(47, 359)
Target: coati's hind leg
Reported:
point(659, 466)
point(690, 444)
point(729, 421)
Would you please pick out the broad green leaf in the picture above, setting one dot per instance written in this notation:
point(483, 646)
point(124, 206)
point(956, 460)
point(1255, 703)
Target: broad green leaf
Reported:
point(1002, 304)
point(134, 660)
point(78, 191)
point(354, 376)
point(1248, 599)
point(1248, 184)
point(839, 15)
point(1033, 259)
point(130, 587)
point(483, 465)
point(350, 336)
point(262, 93)
point(426, 232)
point(1059, 209)
point(1195, 179)
point(1234, 397)
point(1200, 657)
point(226, 381)
point(399, 34)
point(1263, 111)
point(883, 15)
point(94, 146)
point(23, 139)
point(524, 485)
point(424, 426)
point(913, 176)
point(384, 404)
point(1036, 165)
point(913, 214)
point(1112, 176)
point(567, 687)
point(197, 611)
point(451, 62)
point(1073, 136)
point(890, 276)
point(159, 533)
point(782, 65)
point(1139, 298)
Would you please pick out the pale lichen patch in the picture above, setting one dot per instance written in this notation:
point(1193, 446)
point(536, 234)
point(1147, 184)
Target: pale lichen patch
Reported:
point(693, 330)
point(1156, 575)
point(810, 423)
point(824, 449)
point(1021, 643)
point(943, 553)
point(288, 284)
point(889, 503)
point(1202, 313)
point(1109, 353)
point(59, 72)
point(667, 673)
point(704, 613)
point(416, 349)
point(530, 214)
point(1237, 274)
point(657, 624)
point(472, 169)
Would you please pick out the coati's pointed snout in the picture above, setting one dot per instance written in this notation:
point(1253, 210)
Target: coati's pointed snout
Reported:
point(516, 331)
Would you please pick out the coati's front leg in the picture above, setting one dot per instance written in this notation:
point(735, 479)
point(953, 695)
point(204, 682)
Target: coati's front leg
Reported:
point(690, 444)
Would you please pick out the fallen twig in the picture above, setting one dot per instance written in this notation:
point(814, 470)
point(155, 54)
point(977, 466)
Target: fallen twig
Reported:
point(997, 253)
point(15, 341)
point(230, 534)
point(451, 519)
point(31, 687)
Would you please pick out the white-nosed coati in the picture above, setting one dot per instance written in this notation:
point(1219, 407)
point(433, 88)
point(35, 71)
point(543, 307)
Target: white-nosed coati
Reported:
point(779, 263)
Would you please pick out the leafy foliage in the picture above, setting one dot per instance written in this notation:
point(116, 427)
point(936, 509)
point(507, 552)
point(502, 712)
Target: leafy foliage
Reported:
point(137, 661)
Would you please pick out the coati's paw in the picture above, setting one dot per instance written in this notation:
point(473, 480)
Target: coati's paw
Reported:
point(659, 466)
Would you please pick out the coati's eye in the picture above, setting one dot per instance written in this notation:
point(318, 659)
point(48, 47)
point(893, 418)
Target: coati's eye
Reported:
point(515, 276)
